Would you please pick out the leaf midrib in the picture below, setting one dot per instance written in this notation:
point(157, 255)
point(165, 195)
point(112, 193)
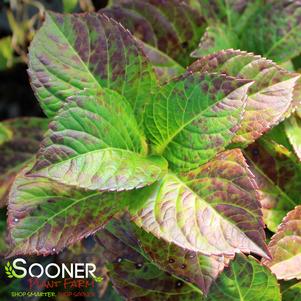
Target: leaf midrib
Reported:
point(181, 182)
point(160, 148)
point(58, 213)
point(88, 153)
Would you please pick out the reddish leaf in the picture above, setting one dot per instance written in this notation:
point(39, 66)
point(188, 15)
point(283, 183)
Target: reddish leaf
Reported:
point(171, 26)
point(134, 276)
point(273, 96)
point(220, 195)
point(44, 217)
point(285, 247)
point(201, 270)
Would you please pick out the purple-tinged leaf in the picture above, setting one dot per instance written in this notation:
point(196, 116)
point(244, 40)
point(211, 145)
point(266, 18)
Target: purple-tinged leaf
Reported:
point(275, 30)
point(133, 275)
point(213, 209)
point(245, 280)
point(95, 143)
point(20, 142)
point(278, 176)
point(177, 26)
point(165, 67)
point(194, 117)
point(74, 52)
point(273, 96)
point(44, 217)
point(201, 270)
point(285, 247)
point(293, 132)
point(136, 23)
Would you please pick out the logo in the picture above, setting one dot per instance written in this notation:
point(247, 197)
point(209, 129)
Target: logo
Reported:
point(74, 279)
point(20, 269)
point(10, 272)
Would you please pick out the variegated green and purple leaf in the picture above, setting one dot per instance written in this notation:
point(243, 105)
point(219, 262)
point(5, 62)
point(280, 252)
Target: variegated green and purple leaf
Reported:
point(87, 51)
point(134, 275)
point(44, 217)
point(213, 209)
point(192, 118)
point(198, 269)
point(278, 176)
point(20, 139)
point(245, 280)
point(285, 247)
point(275, 31)
point(165, 67)
point(95, 143)
point(273, 96)
point(172, 26)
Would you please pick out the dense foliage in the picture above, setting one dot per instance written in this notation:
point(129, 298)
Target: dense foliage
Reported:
point(179, 164)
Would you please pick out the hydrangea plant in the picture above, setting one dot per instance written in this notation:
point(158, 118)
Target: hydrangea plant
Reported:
point(177, 165)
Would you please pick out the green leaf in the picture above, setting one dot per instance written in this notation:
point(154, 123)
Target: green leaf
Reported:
point(275, 31)
point(171, 26)
point(225, 10)
point(278, 176)
point(293, 132)
point(95, 143)
point(213, 209)
point(21, 142)
point(5, 133)
point(285, 247)
point(133, 275)
point(273, 96)
point(165, 67)
point(194, 117)
point(268, 28)
point(293, 293)
point(246, 280)
point(198, 269)
point(88, 51)
point(6, 53)
point(44, 217)
point(217, 37)
point(69, 5)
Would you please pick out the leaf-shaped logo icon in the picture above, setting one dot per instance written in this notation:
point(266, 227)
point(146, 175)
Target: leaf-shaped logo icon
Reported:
point(10, 271)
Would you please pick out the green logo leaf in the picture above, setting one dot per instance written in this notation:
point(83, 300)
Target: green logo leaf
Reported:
point(10, 271)
point(98, 279)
